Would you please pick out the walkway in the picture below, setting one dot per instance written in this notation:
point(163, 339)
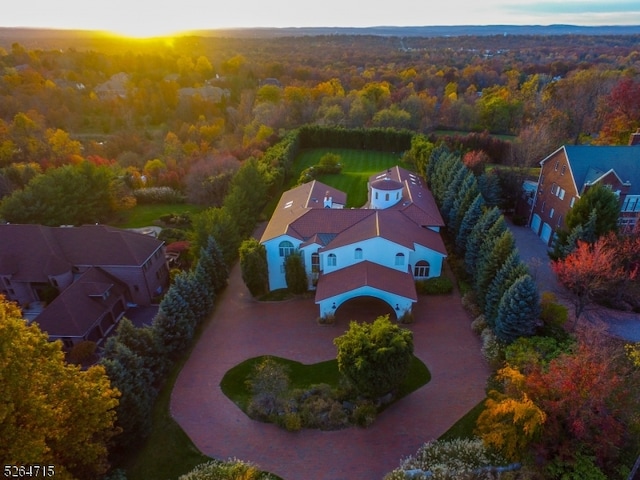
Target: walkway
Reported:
point(242, 328)
point(534, 253)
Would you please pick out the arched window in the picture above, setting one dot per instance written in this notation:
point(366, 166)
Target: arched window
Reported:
point(358, 254)
point(399, 258)
point(421, 269)
point(332, 260)
point(285, 248)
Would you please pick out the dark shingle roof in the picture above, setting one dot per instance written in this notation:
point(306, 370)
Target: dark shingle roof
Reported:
point(588, 162)
point(74, 312)
point(33, 252)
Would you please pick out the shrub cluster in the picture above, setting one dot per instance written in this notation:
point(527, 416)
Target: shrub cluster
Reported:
point(158, 195)
point(451, 460)
point(318, 406)
point(434, 286)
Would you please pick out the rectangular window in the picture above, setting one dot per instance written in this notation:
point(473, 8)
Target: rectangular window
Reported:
point(555, 189)
point(573, 201)
point(542, 208)
point(559, 220)
point(557, 164)
point(561, 194)
point(551, 212)
point(564, 169)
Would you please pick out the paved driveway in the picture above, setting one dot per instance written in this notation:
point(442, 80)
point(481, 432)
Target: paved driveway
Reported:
point(242, 328)
point(534, 252)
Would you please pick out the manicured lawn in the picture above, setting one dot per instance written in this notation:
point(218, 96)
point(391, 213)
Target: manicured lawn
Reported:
point(234, 383)
point(357, 167)
point(145, 215)
point(464, 427)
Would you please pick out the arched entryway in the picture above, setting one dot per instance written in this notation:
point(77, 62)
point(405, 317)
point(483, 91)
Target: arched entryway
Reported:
point(363, 309)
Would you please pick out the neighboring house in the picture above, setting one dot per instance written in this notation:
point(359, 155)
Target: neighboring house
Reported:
point(115, 87)
point(572, 169)
point(85, 277)
point(378, 250)
point(208, 93)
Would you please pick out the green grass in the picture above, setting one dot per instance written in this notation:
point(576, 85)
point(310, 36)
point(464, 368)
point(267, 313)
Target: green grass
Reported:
point(145, 215)
point(234, 382)
point(464, 427)
point(357, 167)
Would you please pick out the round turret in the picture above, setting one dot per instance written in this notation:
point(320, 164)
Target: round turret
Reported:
point(385, 193)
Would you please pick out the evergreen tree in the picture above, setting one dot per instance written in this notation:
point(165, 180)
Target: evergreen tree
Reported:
point(478, 236)
point(247, 197)
point(295, 274)
point(597, 210)
point(174, 324)
point(519, 310)
point(443, 174)
point(253, 263)
point(512, 269)
point(143, 343)
point(467, 194)
point(470, 218)
point(452, 187)
point(216, 223)
point(437, 155)
point(211, 268)
point(490, 264)
point(129, 374)
point(489, 185)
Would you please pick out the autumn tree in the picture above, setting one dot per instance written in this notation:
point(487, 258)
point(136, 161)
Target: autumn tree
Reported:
point(510, 420)
point(375, 357)
point(586, 273)
point(51, 412)
point(622, 113)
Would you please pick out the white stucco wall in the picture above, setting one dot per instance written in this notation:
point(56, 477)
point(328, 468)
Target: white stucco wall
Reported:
point(402, 303)
point(376, 250)
point(276, 263)
point(435, 260)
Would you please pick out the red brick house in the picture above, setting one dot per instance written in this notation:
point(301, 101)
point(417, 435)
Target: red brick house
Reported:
point(571, 170)
point(86, 276)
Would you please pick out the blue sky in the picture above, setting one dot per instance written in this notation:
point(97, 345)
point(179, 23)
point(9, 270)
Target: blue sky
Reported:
point(151, 17)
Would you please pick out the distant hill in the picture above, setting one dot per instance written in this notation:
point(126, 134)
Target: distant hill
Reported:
point(427, 31)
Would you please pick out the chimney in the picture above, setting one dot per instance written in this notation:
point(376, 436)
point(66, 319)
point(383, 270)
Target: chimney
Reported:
point(328, 200)
point(635, 138)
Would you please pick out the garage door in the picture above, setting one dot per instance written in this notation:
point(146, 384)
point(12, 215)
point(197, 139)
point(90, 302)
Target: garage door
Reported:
point(535, 223)
point(545, 234)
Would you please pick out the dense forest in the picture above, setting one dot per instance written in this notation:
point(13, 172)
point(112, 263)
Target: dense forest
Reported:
point(160, 107)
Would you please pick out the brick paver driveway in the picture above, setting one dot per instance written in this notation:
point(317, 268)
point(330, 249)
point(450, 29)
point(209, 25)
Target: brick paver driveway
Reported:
point(242, 328)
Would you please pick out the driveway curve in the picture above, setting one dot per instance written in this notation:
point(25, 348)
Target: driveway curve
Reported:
point(242, 328)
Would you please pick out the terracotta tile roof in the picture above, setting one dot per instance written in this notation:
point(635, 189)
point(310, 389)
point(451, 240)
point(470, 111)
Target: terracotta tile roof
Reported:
point(74, 312)
point(391, 225)
point(297, 202)
point(417, 200)
point(326, 221)
point(366, 274)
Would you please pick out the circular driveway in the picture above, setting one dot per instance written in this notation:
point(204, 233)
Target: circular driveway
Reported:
point(241, 328)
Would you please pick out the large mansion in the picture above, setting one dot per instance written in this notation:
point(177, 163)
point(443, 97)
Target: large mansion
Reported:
point(378, 250)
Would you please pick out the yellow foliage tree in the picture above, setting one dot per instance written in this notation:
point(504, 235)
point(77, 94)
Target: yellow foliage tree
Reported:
point(51, 413)
point(510, 420)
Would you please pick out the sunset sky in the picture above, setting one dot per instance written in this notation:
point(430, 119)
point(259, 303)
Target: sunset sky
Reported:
point(144, 18)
